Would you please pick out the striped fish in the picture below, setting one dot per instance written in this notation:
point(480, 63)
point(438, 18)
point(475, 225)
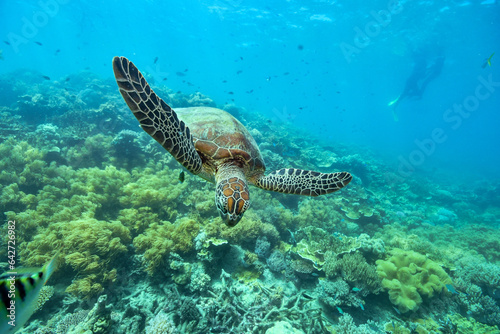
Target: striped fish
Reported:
point(19, 292)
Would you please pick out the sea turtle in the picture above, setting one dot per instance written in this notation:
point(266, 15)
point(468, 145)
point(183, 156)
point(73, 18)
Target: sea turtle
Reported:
point(214, 145)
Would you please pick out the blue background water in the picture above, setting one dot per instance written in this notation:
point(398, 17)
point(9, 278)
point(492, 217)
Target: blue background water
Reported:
point(292, 65)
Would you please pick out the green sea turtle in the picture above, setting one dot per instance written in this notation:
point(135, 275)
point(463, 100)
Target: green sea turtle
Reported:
point(214, 145)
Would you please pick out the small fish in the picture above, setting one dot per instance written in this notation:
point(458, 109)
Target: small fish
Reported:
point(156, 59)
point(307, 296)
point(230, 93)
point(356, 289)
point(57, 51)
point(249, 91)
point(38, 43)
point(241, 58)
point(487, 61)
point(1, 54)
point(362, 307)
point(397, 310)
point(182, 176)
point(224, 81)
point(45, 77)
point(239, 72)
point(451, 289)
point(268, 78)
point(180, 74)
point(286, 73)
point(67, 79)
point(19, 291)
point(340, 310)
point(6, 42)
point(186, 70)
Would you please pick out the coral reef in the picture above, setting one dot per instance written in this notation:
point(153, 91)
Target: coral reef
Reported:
point(160, 239)
point(79, 178)
point(408, 276)
point(161, 324)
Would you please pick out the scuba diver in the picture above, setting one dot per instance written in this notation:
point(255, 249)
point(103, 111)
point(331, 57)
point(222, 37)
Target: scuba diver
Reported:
point(423, 73)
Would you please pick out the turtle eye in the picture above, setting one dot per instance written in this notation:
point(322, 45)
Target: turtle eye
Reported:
point(232, 199)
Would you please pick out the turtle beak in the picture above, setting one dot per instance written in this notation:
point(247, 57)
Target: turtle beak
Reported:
point(232, 199)
point(230, 220)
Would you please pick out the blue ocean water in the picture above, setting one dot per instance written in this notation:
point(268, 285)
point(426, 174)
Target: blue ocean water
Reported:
point(404, 95)
point(326, 66)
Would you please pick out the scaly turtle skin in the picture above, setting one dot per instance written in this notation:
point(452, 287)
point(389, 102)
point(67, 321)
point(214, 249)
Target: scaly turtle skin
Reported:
point(215, 146)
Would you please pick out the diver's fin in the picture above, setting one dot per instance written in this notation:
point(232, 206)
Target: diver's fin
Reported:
point(394, 115)
point(394, 101)
point(489, 59)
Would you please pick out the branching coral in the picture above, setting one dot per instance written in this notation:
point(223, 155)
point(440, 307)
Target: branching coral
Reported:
point(353, 268)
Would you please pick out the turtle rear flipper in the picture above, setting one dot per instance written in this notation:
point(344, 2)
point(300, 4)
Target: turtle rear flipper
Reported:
point(303, 182)
point(155, 116)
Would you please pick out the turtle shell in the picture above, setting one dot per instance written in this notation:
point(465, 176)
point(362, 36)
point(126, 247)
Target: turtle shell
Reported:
point(219, 137)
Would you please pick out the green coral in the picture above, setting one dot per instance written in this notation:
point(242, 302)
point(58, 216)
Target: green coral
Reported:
point(246, 232)
point(160, 239)
point(138, 220)
point(408, 276)
point(155, 187)
point(318, 212)
point(94, 151)
point(91, 247)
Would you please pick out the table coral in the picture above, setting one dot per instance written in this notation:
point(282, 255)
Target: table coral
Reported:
point(408, 276)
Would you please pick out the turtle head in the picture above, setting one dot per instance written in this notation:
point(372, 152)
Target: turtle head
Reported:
point(232, 198)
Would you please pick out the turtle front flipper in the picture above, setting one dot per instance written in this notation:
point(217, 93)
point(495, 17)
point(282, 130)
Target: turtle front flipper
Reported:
point(303, 182)
point(155, 116)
